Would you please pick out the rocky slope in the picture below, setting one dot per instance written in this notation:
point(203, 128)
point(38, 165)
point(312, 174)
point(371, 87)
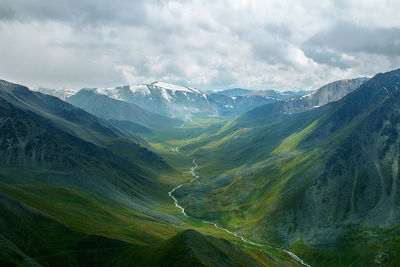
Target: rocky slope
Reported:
point(60, 93)
point(180, 102)
point(74, 191)
point(263, 93)
point(169, 100)
point(326, 94)
point(43, 134)
point(112, 109)
point(327, 177)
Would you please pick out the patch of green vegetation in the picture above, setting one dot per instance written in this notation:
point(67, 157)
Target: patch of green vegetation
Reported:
point(358, 247)
point(291, 143)
point(85, 212)
point(30, 238)
point(190, 248)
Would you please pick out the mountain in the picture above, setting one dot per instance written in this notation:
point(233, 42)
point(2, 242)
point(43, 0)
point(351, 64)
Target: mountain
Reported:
point(112, 109)
point(60, 93)
point(30, 238)
point(278, 96)
point(182, 102)
point(60, 153)
point(166, 99)
point(245, 100)
point(323, 182)
point(232, 92)
point(70, 167)
point(43, 132)
point(331, 92)
point(263, 93)
point(191, 248)
point(249, 99)
point(75, 191)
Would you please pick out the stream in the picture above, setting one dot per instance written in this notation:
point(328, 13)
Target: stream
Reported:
point(196, 176)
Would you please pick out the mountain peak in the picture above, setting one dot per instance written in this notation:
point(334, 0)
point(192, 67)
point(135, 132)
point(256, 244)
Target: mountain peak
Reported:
point(174, 87)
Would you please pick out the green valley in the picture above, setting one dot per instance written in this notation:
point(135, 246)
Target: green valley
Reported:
point(248, 191)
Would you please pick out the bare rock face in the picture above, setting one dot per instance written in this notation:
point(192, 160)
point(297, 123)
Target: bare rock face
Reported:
point(329, 93)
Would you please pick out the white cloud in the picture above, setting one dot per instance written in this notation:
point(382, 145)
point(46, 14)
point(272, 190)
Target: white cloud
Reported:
point(253, 44)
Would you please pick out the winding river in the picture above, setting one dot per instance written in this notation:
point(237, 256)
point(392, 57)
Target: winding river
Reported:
point(196, 176)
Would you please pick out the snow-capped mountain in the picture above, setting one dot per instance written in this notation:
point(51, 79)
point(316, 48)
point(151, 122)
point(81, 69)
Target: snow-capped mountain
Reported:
point(166, 99)
point(63, 93)
point(277, 95)
point(185, 102)
point(112, 109)
point(176, 101)
point(326, 94)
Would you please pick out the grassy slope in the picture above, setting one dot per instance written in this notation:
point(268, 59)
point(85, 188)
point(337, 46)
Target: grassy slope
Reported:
point(359, 247)
point(246, 191)
point(255, 188)
point(29, 238)
point(265, 169)
point(85, 213)
point(81, 220)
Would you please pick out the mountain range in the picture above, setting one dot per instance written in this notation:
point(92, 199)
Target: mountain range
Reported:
point(323, 181)
point(160, 175)
point(172, 101)
point(113, 109)
point(76, 189)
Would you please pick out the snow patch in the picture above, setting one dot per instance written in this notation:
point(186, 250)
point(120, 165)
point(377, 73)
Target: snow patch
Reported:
point(110, 92)
point(142, 89)
point(165, 95)
point(174, 87)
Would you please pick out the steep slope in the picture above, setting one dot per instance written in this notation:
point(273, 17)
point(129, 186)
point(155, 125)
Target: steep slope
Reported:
point(108, 108)
point(184, 102)
point(63, 93)
point(279, 95)
point(232, 92)
point(29, 238)
point(45, 140)
point(263, 93)
point(252, 99)
point(75, 192)
point(190, 248)
point(326, 178)
point(166, 99)
point(326, 94)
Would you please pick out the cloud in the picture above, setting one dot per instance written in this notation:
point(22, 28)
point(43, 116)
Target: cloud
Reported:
point(205, 44)
point(75, 12)
point(348, 37)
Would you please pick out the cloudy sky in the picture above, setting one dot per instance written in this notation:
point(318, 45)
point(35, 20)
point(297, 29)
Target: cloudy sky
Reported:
point(204, 44)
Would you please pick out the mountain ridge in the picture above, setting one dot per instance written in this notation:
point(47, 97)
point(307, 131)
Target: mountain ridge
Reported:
point(110, 108)
point(321, 176)
point(328, 93)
